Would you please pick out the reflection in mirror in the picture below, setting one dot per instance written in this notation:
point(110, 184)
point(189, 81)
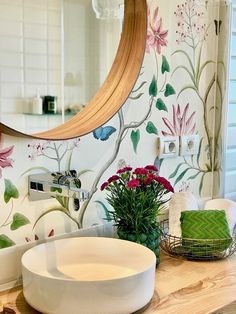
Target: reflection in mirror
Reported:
point(89, 54)
point(51, 48)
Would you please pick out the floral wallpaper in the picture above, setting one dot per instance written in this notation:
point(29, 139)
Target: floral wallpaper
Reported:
point(175, 94)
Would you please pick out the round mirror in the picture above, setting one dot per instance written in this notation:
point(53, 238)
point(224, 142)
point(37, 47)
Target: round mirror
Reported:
point(116, 87)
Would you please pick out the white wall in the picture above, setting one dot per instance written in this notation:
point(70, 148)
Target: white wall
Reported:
point(230, 163)
point(30, 52)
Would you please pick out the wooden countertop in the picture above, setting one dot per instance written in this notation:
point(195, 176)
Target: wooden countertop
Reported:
point(189, 287)
point(182, 287)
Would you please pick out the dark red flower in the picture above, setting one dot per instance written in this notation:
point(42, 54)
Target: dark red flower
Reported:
point(165, 183)
point(125, 169)
point(151, 167)
point(113, 178)
point(147, 181)
point(150, 178)
point(133, 183)
point(104, 185)
point(140, 171)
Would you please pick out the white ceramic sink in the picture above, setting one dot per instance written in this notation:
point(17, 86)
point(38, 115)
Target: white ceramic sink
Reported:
point(88, 275)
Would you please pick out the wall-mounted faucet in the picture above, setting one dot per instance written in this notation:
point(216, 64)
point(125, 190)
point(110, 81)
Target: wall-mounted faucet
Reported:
point(51, 184)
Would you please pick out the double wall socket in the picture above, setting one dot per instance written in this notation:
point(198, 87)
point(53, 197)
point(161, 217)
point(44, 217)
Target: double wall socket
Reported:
point(173, 146)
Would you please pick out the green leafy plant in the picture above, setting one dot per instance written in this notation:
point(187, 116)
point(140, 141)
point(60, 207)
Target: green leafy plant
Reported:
point(137, 197)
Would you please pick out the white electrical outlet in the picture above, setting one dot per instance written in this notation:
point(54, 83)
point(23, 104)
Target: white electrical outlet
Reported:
point(167, 146)
point(189, 145)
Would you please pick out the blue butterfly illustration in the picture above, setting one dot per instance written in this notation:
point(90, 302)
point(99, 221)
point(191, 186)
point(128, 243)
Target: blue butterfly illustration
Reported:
point(103, 133)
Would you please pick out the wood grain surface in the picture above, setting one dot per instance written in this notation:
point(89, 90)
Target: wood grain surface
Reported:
point(190, 287)
point(182, 287)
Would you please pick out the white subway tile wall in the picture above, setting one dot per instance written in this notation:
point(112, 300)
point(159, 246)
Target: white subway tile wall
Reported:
point(30, 52)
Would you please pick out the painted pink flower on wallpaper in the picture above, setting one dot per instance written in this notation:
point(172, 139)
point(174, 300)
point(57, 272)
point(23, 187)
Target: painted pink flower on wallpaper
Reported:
point(156, 35)
point(191, 27)
point(182, 124)
point(5, 161)
point(55, 151)
point(193, 23)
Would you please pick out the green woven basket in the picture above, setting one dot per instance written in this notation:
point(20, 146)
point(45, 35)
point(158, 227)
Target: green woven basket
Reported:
point(202, 225)
point(196, 249)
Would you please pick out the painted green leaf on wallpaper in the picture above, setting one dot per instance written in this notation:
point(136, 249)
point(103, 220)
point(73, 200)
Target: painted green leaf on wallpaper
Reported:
point(106, 210)
point(80, 173)
point(63, 201)
point(135, 137)
point(33, 169)
point(169, 90)
point(186, 88)
point(187, 56)
point(60, 209)
point(181, 175)
point(199, 73)
point(173, 174)
point(150, 128)
point(161, 105)
point(140, 86)
point(158, 162)
point(165, 67)
point(193, 176)
point(5, 241)
point(183, 67)
point(136, 97)
point(10, 191)
point(201, 184)
point(19, 220)
point(199, 151)
point(153, 87)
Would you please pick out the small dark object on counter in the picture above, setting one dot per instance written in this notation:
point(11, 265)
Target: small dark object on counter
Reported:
point(50, 104)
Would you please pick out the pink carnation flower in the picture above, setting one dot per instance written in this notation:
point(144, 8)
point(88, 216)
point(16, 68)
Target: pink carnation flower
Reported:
point(113, 178)
point(151, 167)
point(165, 183)
point(150, 178)
point(104, 185)
point(141, 171)
point(134, 183)
point(147, 181)
point(125, 169)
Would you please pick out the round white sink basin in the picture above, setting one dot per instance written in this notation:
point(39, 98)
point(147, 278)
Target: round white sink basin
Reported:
point(88, 275)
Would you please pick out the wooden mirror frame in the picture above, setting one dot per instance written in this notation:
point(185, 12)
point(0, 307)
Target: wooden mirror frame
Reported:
point(117, 86)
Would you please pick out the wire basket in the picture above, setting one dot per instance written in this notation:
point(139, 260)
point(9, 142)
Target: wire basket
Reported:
point(196, 249)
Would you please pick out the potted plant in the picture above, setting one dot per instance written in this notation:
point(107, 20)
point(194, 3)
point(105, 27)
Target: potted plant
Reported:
point(137, 197)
